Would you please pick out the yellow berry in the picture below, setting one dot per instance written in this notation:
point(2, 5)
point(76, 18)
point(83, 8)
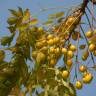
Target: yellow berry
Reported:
point(82, 68)
point(72, 48)
point(53, 62)
point(87, 78)
point(50, 42)
point(52, 49)
point(92, 47)
point(74, 36)
point(69, 63)
point(85, 55)
point(70, 54)
point(56, 40)
point(50, 36)
point(65, 74)
point(88, 34)
point(64, 51)
point(78, 85)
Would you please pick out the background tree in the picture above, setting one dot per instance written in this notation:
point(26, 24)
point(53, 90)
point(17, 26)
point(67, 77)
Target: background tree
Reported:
point(59, 38)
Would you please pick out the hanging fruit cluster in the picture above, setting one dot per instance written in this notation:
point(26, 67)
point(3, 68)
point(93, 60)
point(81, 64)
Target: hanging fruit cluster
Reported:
point(45, 47)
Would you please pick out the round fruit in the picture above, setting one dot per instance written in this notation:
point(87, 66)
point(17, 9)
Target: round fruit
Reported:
point(34, 54)
point(78, 84)
point(82, 68)
point(88, 34)
point(70, 20)
point(50, 36)
point(39, 44)
point(92, 47)
point(64, 51)
point(72, 48)
point(87, 78)
point(53, 62)
point(40, 58)
point(44, 49)
point(85, 55)
point(65, 74)
point(56, 40)
point(74, 36)
point(52, 49)
point(50, 42)
point(69, 63)
point(57, 50)
point(70, 54)
point(2, 55)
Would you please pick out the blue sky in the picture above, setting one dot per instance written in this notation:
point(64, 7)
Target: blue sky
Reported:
point(35, 6)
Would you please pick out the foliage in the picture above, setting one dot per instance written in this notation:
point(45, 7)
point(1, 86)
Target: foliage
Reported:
point(44, 48)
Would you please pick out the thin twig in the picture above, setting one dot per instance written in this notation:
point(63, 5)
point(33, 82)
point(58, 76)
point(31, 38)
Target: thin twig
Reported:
point(87, 44)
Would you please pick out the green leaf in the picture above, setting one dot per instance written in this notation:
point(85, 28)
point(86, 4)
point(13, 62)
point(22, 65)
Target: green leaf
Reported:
point(73, 90)
point(20, 11)
point(7, 40)
point(62, 90)
point(13, 12)
point(22, 27)
point(12, 20)
point(60, 19)
point(48, 22)
point(12, 29)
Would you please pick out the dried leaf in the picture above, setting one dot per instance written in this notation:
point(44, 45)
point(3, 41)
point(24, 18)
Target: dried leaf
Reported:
point(81, 47)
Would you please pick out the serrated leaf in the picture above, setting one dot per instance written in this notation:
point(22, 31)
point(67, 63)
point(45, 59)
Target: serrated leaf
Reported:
point(83, 46)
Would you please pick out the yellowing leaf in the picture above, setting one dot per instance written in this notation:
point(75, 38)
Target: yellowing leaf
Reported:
point(56, 15)
point(48, 22)
point(27, 13)
point(33, 21)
